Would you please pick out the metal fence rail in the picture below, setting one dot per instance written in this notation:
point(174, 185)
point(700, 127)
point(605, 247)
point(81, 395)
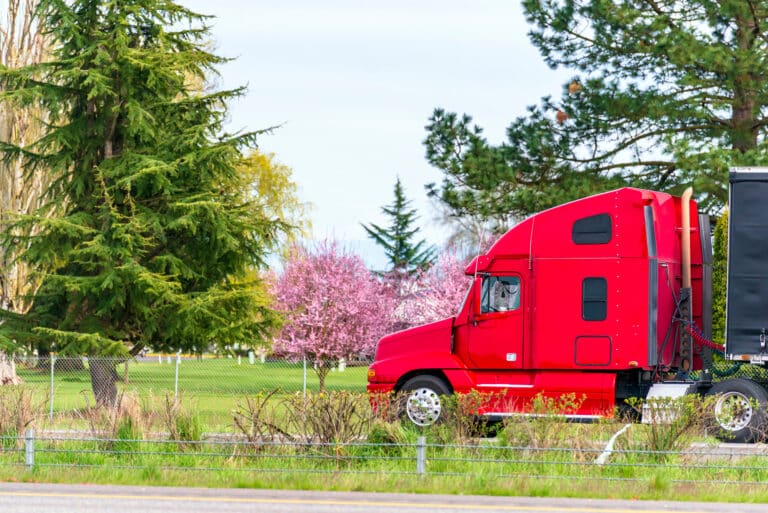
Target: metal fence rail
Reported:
point(484, 459)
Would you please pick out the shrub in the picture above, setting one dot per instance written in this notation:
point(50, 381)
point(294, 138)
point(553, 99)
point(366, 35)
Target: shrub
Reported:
point(256, 418)
point(330, 418)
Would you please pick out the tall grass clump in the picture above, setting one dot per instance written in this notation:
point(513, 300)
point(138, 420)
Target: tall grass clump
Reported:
point(181, 422)
point(19, 410)
point(121, 426)
point(674, 424)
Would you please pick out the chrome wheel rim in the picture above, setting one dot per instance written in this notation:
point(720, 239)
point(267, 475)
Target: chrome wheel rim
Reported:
point(423, 406)
point(733, 411)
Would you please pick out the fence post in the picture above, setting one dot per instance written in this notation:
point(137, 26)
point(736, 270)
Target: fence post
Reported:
point(53, 363)
point(304, 385)
point(421, 455)
point(176, 379)
point(29, 448)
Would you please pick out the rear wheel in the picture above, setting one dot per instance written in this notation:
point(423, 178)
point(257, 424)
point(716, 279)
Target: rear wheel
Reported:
point(422, 402)
point(739, 410)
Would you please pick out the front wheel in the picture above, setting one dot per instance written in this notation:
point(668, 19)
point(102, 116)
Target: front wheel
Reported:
point(739, 410)
point(422, 399)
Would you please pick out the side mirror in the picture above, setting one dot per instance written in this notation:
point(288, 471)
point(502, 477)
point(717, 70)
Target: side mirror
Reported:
point(477, 298)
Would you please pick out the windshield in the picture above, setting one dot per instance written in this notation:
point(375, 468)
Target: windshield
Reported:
point(466, 297)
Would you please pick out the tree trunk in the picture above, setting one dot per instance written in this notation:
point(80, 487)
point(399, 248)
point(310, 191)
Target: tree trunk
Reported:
point(22, 42)
point(8, 374)
point(103, 379)
point(322, 368)
point(746, 84)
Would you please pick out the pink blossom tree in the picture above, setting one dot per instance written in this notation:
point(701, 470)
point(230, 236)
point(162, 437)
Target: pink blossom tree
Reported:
point(334, 307)
point(435, 294)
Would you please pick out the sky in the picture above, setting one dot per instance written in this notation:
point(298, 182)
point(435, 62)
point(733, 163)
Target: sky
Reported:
point(351, 85)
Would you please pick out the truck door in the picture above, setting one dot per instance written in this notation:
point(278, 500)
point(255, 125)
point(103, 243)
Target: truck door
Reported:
point(495, 336)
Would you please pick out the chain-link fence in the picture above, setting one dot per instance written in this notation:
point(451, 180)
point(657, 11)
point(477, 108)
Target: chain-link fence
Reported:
point(726, 369)
point(209, 385)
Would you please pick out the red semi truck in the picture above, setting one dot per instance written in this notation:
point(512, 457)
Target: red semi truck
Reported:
point(607, 298)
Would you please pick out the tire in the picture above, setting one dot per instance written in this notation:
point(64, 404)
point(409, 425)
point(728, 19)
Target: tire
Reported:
point(739, 410)
point(421, 400)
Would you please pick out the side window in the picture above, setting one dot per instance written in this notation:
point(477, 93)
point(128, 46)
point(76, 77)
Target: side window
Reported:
point(500, 294)
point(594, 299)
point(593, 230)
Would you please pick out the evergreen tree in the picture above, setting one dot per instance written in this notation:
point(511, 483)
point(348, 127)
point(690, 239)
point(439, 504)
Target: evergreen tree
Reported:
point(156, 230)
point(719, 278)
point(405, 256)
point(665, 94)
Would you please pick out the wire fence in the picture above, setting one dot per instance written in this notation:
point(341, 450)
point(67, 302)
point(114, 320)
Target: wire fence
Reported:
point(486, 460)
point(304, 433)
point(213, 384)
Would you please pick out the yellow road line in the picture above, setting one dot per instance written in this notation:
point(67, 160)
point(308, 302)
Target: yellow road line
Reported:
point(328, 502)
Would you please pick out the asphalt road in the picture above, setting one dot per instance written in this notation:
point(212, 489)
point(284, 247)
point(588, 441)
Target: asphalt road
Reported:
point(51, 498)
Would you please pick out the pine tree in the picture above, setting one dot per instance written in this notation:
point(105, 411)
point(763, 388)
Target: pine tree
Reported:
point(719, 278)
point(665, 94)
point(156, 230)
point(405, 256)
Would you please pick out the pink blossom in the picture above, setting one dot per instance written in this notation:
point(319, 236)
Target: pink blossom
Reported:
point(334, 306)
point(435, 294)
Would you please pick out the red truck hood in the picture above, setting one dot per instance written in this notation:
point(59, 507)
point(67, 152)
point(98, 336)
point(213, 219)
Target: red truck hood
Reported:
point(432, 337)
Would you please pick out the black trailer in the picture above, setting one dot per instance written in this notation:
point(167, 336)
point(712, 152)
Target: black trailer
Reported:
point(741, 403)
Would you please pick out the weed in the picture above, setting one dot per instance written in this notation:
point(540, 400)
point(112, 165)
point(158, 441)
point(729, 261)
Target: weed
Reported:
point(461, 419)
point(20, 407)
point(387, 433)
point(674, 423)
point(387, 438)
point(121, 425)
point(543, 426)
point(182, 424)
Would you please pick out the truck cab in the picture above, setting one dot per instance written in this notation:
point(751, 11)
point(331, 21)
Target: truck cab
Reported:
point(579, 299)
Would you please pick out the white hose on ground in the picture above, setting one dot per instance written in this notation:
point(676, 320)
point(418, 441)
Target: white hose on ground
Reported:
point(603, 458)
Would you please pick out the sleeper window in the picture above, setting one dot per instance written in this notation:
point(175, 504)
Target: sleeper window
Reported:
point(596, 229)
point(594, 299)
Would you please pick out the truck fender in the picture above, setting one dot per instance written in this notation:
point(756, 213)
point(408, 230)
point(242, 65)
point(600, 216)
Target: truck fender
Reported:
point(442, 365)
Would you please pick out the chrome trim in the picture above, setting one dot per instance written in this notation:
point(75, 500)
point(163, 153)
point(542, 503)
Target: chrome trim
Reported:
point(568, 416)
point(494, 385)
